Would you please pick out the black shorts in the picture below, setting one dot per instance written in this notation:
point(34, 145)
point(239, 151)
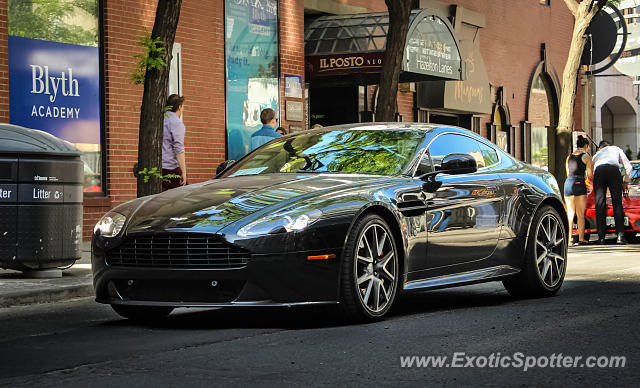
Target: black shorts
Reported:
point(575, 185)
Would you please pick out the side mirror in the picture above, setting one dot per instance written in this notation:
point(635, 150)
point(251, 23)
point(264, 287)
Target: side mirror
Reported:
point(459, 164)
point(223, 166)
point(451, 164)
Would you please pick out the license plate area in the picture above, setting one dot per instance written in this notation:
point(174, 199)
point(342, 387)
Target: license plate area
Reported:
point(611, 223)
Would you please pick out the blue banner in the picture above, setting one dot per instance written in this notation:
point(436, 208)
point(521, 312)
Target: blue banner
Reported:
point(251, 51)
point(55, 87)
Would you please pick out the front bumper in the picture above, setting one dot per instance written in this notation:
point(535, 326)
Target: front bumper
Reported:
point(283, 279)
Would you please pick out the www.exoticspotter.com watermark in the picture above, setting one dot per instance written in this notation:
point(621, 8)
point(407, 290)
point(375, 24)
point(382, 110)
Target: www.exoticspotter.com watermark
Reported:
point(516, 360)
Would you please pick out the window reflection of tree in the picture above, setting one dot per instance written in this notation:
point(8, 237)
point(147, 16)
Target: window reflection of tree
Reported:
point(452, 143)
point(358, 151)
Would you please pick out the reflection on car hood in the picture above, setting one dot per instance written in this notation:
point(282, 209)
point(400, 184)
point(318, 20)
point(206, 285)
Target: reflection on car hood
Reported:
point(212, 205)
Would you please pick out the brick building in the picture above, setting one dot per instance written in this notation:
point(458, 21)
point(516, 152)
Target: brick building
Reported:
point(514, 53)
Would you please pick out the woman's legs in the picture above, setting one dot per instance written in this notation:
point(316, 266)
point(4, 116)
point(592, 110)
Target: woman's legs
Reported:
point(580, 204)
point(571, 211)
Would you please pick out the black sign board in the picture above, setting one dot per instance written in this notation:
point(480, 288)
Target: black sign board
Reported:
point(50, 171)
point(603, 33)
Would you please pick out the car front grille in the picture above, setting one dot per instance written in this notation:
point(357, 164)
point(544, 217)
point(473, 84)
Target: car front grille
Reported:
point(177, 250)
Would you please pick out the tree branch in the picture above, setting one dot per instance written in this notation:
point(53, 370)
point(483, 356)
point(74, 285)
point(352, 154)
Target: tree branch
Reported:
point(572, 5)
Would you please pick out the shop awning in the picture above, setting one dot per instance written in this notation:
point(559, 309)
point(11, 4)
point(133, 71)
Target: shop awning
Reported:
point(349, 49)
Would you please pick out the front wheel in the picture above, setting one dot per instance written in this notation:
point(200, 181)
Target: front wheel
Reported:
point(369, 277)
point(545, 259)
point(142, 313)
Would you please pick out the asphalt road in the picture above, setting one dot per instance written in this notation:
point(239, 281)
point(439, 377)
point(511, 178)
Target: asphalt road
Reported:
point(597, 313)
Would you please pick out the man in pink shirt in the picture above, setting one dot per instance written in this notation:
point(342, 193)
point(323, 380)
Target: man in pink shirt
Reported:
point(173, 160)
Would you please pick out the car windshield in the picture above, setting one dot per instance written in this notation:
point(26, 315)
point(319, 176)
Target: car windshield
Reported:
point(635, 175)
point(375, 152)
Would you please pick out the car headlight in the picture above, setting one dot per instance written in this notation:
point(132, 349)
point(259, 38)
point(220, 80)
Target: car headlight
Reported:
point(110, 224)
point(280, 223)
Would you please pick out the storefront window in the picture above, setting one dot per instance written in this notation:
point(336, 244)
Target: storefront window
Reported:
point(54, 75)
point(540, 123)
point(252, 69)
point(502, 138)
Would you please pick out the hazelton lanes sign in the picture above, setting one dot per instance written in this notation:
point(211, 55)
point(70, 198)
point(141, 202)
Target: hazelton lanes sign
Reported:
point(431, 48)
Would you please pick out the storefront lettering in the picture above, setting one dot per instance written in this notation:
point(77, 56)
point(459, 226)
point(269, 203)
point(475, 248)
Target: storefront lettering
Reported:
point(425, 64)
point(55, 112)
point(264, 5)
point(67, 86)
point(348, 62)
point(468, 93)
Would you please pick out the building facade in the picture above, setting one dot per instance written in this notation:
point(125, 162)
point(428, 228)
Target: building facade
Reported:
point(233, 58)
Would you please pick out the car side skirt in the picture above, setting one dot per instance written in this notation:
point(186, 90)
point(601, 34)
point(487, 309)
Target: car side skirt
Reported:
point(205, 305)
point(458, 279)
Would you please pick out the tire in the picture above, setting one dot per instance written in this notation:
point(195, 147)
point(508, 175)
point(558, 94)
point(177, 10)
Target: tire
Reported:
point(370, 268)
point(545, 261)
point(144, 314)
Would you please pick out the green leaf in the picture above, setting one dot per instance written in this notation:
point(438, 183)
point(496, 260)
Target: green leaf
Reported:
point(154, 58)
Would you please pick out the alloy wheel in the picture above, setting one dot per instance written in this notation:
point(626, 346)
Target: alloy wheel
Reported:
point(375, 268)
point(550, 250)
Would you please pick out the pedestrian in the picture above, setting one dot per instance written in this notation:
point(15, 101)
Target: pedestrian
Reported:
point(173, 155)
point(607, 164)
point(578, 165)
point(267, 132)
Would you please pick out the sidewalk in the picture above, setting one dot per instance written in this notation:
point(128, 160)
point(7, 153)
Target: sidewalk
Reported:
point(75, 282)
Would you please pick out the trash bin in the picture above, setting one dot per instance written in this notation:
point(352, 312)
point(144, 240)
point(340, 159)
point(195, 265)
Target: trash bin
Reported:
point(41, 180)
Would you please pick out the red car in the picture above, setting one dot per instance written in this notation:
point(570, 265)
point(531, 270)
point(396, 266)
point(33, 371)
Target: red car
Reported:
point(630, 203)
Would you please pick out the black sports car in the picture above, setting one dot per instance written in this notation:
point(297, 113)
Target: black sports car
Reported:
point(349, 215)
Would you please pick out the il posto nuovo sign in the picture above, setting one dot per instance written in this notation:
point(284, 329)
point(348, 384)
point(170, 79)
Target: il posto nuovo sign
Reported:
point(55, 87)
point(430, 50)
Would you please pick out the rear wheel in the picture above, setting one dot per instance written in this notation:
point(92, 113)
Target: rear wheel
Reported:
point(369, 278)
point(545, 260)
point(142, 313)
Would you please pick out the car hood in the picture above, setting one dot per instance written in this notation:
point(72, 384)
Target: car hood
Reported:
point(210, 206)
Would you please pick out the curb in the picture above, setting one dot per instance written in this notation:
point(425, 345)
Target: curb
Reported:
point(60, 293)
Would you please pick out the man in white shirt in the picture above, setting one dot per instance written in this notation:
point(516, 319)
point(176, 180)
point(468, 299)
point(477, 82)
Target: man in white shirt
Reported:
point(606, 164)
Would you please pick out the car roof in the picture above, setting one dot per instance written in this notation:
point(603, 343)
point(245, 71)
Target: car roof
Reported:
point(379, 126)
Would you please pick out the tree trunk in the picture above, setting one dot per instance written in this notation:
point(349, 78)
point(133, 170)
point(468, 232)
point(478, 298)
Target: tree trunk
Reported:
point(155, 97)
point(583, 13)
point(399, 11)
